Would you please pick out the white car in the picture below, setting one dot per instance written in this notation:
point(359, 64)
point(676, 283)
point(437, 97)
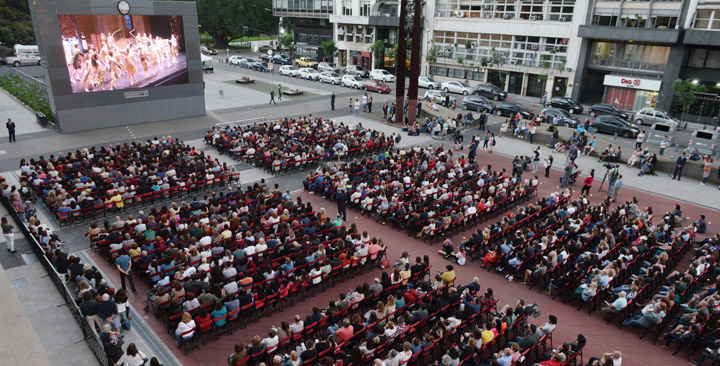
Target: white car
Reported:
point(325, 66)
point(382, 75)
point(648, 116)
point(235, 60)
point(288, 70)
point(428, 83)
point(308, 74)
point(457, 87)
point(330, 77)
point(438, 96)
point(352, 81)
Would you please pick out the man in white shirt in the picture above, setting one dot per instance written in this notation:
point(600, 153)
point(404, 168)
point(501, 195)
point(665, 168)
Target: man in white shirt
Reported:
point(617, 306)
point(298, 325)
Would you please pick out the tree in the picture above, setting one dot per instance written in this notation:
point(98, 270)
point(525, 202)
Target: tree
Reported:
point(685, 92)
point(286, 40)
point(15, 23)
point(431, 54)
point(329, 48)
point(224, 19)
point(379, 49)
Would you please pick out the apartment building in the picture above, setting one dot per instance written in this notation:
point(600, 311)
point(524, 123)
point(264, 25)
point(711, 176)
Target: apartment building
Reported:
point(310, 23)
point(633, 51)
point(525, 47)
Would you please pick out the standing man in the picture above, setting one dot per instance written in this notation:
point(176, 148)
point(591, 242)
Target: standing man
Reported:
point(124, 265)
point(640, 139)
point(447, 101)
point(341, 199)
point(536, 158)
point(618, 185)
point(369, 106)
point(11, 129)
point(554, 138)
point(357, 107)
point(483, 120)
point(544, 100)
point(364, 102)
point(332, 101)
point(419, 108)
point(614, 174)
point(350, 106)
point(664, 144)
point(679, 165)
point(385, 110)
point(279, 91)
point(548, 165)
point(272, 96)
point(565, 181)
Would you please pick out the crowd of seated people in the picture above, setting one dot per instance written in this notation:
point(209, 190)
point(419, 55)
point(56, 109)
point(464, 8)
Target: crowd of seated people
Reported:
point(419, 320)
point(425, 191)
point(108, 177)
point(295, 144)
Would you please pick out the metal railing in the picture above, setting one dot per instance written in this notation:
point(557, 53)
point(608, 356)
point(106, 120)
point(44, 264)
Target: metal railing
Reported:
point(242, 122)
point(58, 279)
point(27, 78)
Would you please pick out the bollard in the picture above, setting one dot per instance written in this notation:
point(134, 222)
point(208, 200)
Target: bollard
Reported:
point(677, 147)
point(615, 137)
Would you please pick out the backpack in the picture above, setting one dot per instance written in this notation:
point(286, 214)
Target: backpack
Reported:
point(614, 175)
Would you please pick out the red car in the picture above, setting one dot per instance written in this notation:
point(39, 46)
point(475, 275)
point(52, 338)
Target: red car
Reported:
point(376, 86)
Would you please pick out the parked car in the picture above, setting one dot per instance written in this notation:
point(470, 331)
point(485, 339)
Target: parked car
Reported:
point(457, 87)
point(490, 91)
point(261, 66)
point(282, 59)
point(236, 60)
point(428, 83)
point(326, 66)
point(567, 104)
point(438, 96)
point(247, 63)
point(352, 81)
point(330, 77)
point(382, 75)
point(208, 51)
point(308, 74)
point(478, 104)
point(613, 124)
point(565, 118)
point(511, 109)
point(289, 70)
point(608, 110)
point(356, 70)
point(265, 57)
point(306, 61)
point(648, 116)
point(376, 86)
point(264, 48)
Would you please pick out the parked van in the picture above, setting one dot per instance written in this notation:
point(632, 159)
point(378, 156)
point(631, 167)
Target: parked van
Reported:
point(705, 141)
point(659, 130)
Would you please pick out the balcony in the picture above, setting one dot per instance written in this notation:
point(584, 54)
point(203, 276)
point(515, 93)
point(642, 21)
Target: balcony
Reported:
point(651, 35)
point(613, 64)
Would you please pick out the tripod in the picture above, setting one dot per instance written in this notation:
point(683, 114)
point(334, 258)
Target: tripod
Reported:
point(610, 183)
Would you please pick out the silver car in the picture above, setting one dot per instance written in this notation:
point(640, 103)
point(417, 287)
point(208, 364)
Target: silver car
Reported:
point(648, 116)
point(438, 96)
point(428, 83)
point(236, 60)
point(308, 74)
point(330, 77)
point(288, 70)
point(352, 81)
point(457, 87)
point(325, 66)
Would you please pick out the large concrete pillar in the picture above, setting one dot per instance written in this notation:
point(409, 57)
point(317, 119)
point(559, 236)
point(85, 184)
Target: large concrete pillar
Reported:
point(672, 73)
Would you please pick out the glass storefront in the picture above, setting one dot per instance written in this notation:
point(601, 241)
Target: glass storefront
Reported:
point(630, 99)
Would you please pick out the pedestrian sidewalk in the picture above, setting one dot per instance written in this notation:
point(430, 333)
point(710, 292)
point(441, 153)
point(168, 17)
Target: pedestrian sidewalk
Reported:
point(24, 118)
point(686, 190)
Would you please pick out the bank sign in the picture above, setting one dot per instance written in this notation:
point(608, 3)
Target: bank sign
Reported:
point(632, 83)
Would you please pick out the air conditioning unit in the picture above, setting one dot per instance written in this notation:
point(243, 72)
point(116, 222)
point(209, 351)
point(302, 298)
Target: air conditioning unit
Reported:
point(534, 47)
point(562, 19)
point(512, 61)
point(449, 50)
point(474, 44)
point(533, 17)
point(461, 14)
point(441, 54)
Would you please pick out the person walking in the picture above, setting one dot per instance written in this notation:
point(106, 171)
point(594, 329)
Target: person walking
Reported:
point(370, 104)
point(491, 142)
point(533, 130)
point(7, 230)
point(640, 139)
point(565, 181)
point(536, 158)
point(279, 91)
point(350, 106)
point(487, 139)
point(554, 137)
point(332, 101)
point(679, 165)
point(618, 185)
point(357, 107)
point(364, 102)
point(341, 199)
point(272, 97)
point(11, 130)
point(588, 183)
point(707, 168)
point(664, 144)
point(544, 100)
point(483, 121)
point(473, 152)
point(548, 165)
point(385, 110)
point(124, 266)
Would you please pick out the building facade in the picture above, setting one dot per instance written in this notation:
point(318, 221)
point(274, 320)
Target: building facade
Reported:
point(525, 47)
point(310, 23)
point(633, 51)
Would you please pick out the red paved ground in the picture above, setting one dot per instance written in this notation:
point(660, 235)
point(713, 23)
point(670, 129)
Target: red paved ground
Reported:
point(601, 337)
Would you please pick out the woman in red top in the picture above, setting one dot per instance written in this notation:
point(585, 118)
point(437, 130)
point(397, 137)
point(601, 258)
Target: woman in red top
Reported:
point(588, 183)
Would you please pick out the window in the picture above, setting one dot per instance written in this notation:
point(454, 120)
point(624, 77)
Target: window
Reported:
point(364, 8)
point(713, 60)
point(347, 7)
point(697, 58)
point(440, 71)
point(605, 20)
point(702, 18)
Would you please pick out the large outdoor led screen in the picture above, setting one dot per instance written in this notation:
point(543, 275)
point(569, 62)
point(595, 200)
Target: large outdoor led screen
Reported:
point(111, 52)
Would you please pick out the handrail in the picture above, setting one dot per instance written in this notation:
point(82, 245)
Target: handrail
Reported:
point(242, 122)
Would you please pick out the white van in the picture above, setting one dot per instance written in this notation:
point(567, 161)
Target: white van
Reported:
point(705, 141)
point(659, 130)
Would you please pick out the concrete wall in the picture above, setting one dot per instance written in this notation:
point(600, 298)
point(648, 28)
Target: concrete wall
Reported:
point(86, 111)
